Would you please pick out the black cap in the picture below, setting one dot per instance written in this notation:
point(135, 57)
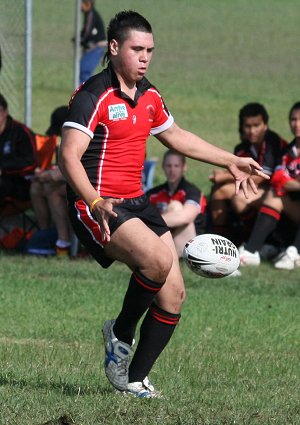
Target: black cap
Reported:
point(58, 117)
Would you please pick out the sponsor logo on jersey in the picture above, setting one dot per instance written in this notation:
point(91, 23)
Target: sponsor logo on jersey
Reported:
point(117, 112)
point(150, 113)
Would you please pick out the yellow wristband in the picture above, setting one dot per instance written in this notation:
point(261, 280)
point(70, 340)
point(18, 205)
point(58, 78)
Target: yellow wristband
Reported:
point(95, 201)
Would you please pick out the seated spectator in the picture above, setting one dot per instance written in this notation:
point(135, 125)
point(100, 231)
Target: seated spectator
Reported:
point(265, 146)
point(17, 156)
point(283, 196)
point(181, 203)
point(48, 196)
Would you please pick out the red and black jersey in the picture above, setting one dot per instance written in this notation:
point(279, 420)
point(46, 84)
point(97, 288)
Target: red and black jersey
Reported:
point(291, 161)
point(17, 149)
point(118, 127)
point(289, 169)
point(269, 154)
point(186, 192)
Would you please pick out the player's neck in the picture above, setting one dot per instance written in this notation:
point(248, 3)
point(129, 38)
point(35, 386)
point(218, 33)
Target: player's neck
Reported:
point(129, 91)
point(127, 86)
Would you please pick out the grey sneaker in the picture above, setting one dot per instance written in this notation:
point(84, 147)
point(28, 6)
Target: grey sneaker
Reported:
point(117, 357)
point(142, 389)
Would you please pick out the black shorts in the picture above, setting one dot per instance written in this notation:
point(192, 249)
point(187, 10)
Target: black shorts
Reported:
point(88, 231)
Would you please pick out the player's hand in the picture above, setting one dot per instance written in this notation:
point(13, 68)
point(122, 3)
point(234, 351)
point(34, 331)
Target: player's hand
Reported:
point(102, 211)
point(242, 170)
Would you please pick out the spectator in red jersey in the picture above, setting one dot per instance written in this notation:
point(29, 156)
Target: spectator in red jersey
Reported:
point(17, 156)
point(102, 156)
point(266, 147)
point(283, 196)
point(181, 203)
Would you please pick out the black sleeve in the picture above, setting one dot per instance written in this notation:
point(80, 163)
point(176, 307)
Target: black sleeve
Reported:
point(19, 153)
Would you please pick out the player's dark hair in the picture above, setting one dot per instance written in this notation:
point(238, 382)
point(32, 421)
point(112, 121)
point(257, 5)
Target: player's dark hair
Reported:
point(172, 152)
point(293, 108)
point(3, 102)
point(121, 24)
point(252, 110)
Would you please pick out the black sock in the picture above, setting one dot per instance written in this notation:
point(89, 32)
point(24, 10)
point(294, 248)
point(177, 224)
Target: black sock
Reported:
point(139, 296)
point(297, 240)
point(156, 330)
point(265, 223)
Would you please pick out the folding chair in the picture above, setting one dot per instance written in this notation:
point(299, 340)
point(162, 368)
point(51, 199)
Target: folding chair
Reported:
point(46, 152)
point(46, 147)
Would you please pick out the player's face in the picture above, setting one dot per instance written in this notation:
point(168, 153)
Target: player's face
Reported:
point(254, 129)
point(295, 122)
point(132, 58)
point(174, 168)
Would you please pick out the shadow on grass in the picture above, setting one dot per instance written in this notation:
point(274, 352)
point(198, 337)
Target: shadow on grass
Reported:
point(60, 387)
point(63, 420)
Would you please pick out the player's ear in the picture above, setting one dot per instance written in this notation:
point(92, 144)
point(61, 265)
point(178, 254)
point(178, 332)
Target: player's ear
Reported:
point(114, 47)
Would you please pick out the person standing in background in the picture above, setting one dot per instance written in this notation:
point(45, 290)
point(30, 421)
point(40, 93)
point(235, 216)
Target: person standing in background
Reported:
point(92, 40)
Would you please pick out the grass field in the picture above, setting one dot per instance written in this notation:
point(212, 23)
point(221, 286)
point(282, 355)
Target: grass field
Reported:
point(234, 359)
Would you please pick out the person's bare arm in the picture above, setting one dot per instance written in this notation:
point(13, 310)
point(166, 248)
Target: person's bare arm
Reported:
point(292, 186)
point(190, 145)
point(186, 215)
point(73, 145)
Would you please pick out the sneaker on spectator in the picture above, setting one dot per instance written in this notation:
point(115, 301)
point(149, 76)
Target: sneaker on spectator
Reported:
point(62, 252)
point(288, 259)
point(248, 258)
point(142, 389)
point(117, 357)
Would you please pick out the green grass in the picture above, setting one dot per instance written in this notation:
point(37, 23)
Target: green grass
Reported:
point(234, 358)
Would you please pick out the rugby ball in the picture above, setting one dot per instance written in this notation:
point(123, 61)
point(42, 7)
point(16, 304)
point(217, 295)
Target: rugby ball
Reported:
point(211, 256)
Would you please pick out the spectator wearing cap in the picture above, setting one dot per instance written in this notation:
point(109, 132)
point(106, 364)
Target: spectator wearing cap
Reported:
point(48, 197)
point(58, 117)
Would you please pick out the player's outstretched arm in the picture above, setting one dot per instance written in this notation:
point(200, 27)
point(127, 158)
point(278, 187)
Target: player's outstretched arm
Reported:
point(193, 146)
